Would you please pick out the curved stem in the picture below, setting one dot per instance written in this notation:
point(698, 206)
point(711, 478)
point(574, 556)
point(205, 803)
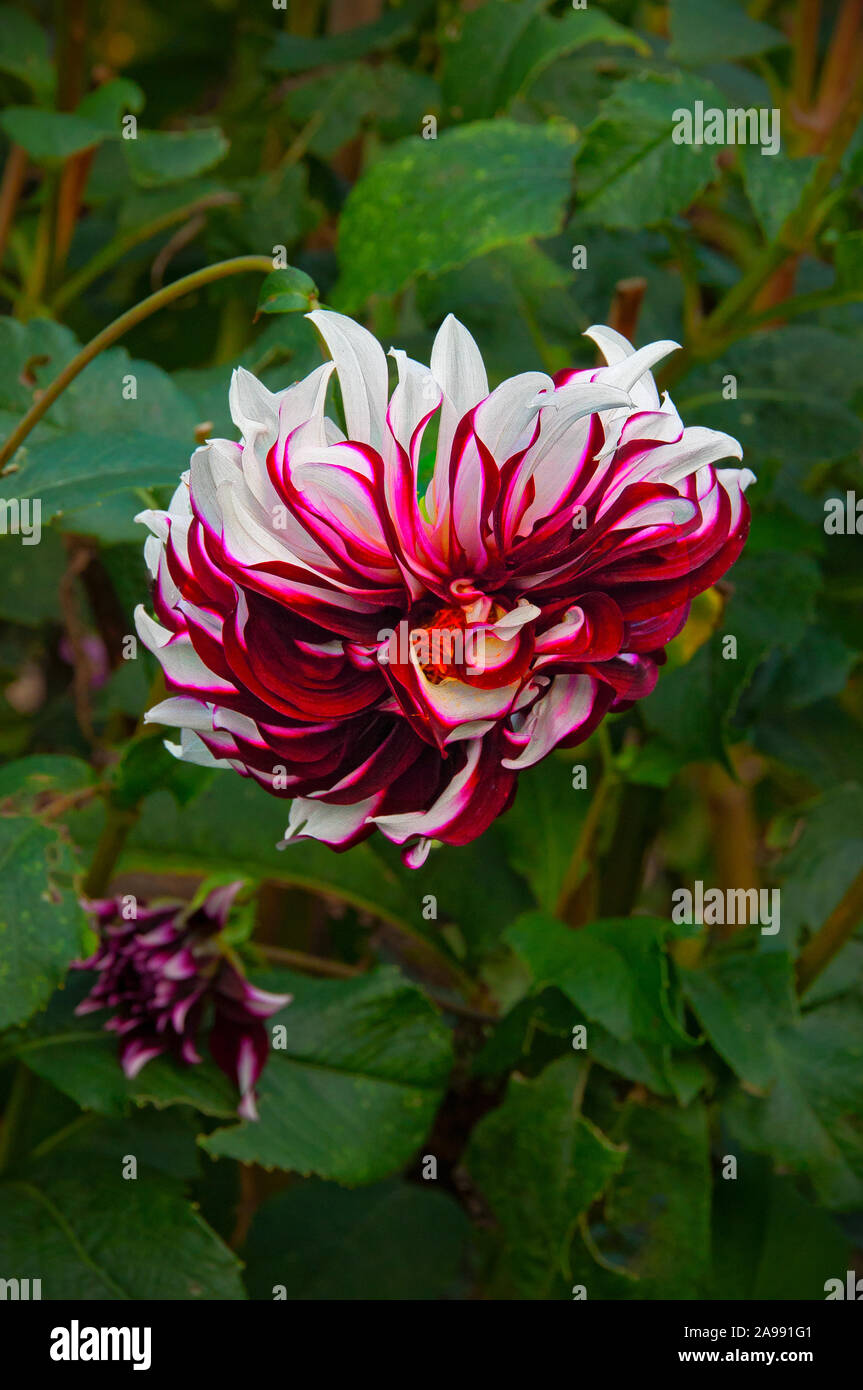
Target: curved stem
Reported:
point(237, 266)
point(339, 970)
point(117, 248)
point(831, 937)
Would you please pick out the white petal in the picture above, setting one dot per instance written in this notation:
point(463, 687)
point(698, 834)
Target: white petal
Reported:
point(362, 372)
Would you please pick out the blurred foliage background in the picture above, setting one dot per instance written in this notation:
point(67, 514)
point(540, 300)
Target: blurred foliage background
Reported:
point(510, 162)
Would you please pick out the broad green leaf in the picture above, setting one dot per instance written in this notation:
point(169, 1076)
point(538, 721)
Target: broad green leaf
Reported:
point(771, 608)
point(334, 106)
point(651, 1238)
point(716, 31)
point(506, 299)
point(27, 780)
point(74, 475)
point(165, 1140)
point(169, 156)
point(546, 40)
point(50, 135)
point(774, 185)
point(297, 53)
point(476, 51)
point(286, 291)
point(40, 921)
point(822, 744)
point(740, 1002)
point(809, 1121)
point(476, 885)
point(24, 51)
point(629, 172)
point(395, 1240)
point(768, 1242)
point(784, 432)
point(474, 188)
point(28, 593)
point(235, 827)
point(541, 830)
point(107, 105)
point(78, 1057)
point(825, 858)
point(90, 1235)
point(354, 1091)
point(615, 971)
point(539, 1164)
point(503, 46)
point(146, 766)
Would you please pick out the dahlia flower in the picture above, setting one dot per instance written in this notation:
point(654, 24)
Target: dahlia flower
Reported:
point(162, 973)
point(392, 661)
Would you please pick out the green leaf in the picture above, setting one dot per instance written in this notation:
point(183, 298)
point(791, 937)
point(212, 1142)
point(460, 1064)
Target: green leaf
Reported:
point(26, 597)
point(146, 766)
point(169, 156)
point(652, 1237)
point(768, 1242)
point(108, 104)
point(394, 1240)
point(740, 1002)
point(770, 610)
point(286, 291)
point(335, 105)
point(41, 923)
point(629, 172)
point(474, 188)
point(774, 185)
point(74, 475)
point(24, 51)
point(541, 830)
point(809, 1122)
point(297, 53)
point(539, 1164)
point(165, 1140)
point(476, 53)
point(615, 971)
point(50, 136)
point(78, 1057)
point(474, 885)
point(824, 860)
point(235, 827)
point(502, 47)
point(354, 1091)
point(717, 31)
point(61, 1226)
point(27, 779)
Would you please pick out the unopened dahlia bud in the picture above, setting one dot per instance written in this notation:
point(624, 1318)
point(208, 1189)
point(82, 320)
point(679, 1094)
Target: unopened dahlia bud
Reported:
point(390, 661)
point(165, 975)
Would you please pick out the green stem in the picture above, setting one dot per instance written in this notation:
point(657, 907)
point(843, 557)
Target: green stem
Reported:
point(118, 823)
point(794, 236)
point(120, 245)
point(831, 937)
point(576, 866)
point(37, 275)
point(121, 325)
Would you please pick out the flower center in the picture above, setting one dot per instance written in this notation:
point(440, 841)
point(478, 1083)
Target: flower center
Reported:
point(450, 644)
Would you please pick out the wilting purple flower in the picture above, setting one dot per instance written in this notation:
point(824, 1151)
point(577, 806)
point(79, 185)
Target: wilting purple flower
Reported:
point(568, 524)
point(163, 973)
